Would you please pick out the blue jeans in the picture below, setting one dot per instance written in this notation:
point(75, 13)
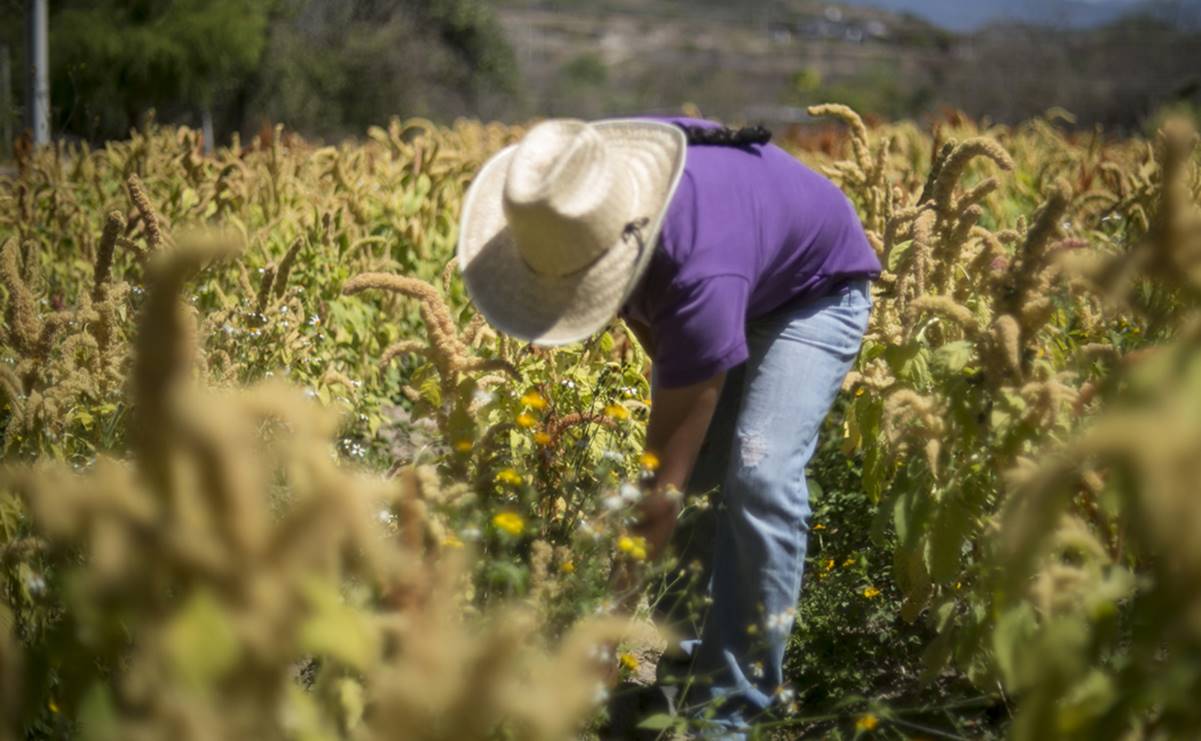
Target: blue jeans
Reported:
point(747, 550)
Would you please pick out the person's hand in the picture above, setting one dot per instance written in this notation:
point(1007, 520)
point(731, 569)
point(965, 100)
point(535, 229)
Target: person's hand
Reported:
point(658, 512)
point(627, 576)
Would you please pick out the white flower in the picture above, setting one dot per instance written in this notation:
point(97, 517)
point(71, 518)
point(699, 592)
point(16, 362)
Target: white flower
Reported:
point(630, 493)
point(613, 502)
point(36, 584)
point(470, 534)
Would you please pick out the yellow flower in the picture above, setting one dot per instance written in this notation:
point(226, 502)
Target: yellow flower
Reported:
point(534, 400)
point(510, 522)
point(859, 391)
point(647, 401)
point(463, 446)
point(567, 567)
point(871, 592)
point(452, 541)
point(628, 661)
point(52, 705)
point(829, 564)
point(649, 461)
point(866, 722)
point(634, 547)
point(617, 411)
point(508, 476)
point(542, 438)
point(848, 562)
point(819, 526)
point(526, 420)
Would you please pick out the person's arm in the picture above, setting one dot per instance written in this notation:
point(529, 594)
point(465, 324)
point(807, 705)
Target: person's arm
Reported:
point(678, 422)
point(697, 334)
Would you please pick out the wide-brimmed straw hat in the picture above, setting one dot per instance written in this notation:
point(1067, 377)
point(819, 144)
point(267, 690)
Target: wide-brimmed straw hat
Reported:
point(557, 229)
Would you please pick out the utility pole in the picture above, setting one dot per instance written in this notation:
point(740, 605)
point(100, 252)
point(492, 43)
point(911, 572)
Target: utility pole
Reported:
point(37, 66)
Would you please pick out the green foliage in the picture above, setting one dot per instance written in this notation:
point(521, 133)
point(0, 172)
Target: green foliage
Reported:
point(114, 60)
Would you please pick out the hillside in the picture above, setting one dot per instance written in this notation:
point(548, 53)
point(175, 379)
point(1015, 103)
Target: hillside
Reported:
point(758, 60)
point(765, 60)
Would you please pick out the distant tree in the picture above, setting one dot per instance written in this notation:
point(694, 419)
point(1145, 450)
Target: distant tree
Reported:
point(334, 67)
point(112, 60)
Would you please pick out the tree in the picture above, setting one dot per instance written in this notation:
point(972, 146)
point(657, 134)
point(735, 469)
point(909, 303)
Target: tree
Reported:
point(111, 60)
point(334, 67)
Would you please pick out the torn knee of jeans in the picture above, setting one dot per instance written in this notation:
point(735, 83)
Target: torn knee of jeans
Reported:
point(752, 448)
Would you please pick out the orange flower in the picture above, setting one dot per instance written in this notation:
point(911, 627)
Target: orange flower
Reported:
point(510, 522)
point(534, 400)
point(509, 476)
point(617, 411)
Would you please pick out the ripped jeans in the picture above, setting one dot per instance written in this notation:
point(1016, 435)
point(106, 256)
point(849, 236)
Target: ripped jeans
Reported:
point(747, 550)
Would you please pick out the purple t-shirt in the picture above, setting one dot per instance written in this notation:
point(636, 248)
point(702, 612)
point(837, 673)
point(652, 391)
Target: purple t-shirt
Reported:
point(749, 231)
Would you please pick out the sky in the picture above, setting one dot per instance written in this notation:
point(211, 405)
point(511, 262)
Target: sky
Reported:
point(967, 14)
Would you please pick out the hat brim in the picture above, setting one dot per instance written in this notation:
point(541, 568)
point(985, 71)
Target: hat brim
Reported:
point(552, 310)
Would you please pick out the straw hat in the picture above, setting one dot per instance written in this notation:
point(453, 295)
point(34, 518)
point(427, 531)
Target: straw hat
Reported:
point(557, 230)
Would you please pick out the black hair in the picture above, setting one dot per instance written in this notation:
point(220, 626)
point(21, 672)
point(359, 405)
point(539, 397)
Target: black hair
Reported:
point(724, 136)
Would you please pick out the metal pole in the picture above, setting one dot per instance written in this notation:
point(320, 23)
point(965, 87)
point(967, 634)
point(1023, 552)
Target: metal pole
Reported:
point(6, 104)
point(38, 89)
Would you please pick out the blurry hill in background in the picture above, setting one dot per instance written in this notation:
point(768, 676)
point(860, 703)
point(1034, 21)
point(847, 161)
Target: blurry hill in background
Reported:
point(330, 68)
point(971, 15)
point(767, 59)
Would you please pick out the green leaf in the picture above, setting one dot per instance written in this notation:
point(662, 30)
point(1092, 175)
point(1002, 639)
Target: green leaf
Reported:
point(1012, 640)
point(659, 722)
point(949, 530)
point(898, 251)
point(337, 630)
point(200, 640)
point(953, 357)
point(84, 418)
point(431, 390)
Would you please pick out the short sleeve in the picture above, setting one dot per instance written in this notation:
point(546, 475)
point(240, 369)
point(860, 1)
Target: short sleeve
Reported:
point(699, 329)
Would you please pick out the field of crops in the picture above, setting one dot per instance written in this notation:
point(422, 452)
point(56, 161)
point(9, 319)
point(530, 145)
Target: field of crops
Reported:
point(266, 474)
